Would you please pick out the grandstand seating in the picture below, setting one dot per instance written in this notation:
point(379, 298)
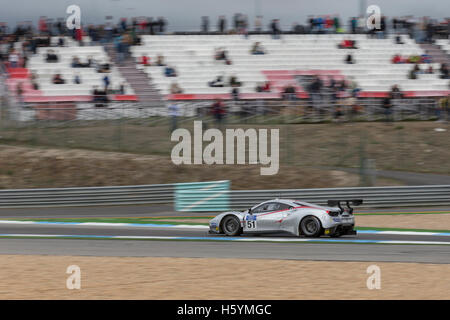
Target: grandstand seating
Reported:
point(69, 91)
point(192, 57)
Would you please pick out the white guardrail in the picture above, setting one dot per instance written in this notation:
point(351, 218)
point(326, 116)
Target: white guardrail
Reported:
point(217, 196)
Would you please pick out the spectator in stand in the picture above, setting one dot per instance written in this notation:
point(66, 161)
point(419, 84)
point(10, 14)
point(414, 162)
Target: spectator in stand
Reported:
point(217, 83)
point(76, 62)
point(257, 49)
point(397, 59)
point(315, 89)
point(354, 24)
point(275, 29)
point(243, 30)
point(175, 88)
point(396, 92)
point(145, 60)
point(430, 70)
point(289, 93)
point(51, 56)
point(106, 83)
point(58, 79)
point(160, 61)
point(104, 67)
point(387, 105)
point(258, 24)
point(398, 40)
point(205, 24)
point(19, 92)
point(99, 96)
point(444, 71)
point(170, 71)
point(77, 79)
point(337, 24)
point(122, 88)
point(235, 94)
point(414, 59)
point(173, 113)
point(162, 23)
point(222, 55)
point(25, 60)
point(90, 62)
point(347, 44)
point(13, 59)
point(79, 36)
point(234, 82)
point(415, 71)
point(34, 83)
point(349, 59)
point(264, 87)
point(218, 111)
point(221, 25)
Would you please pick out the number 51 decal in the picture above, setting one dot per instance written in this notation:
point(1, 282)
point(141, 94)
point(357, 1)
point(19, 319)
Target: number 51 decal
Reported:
point(251, 224)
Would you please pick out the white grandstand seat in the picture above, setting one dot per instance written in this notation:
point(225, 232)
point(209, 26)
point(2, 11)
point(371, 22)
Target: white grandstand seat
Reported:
point(192, 57)
point(89, 77)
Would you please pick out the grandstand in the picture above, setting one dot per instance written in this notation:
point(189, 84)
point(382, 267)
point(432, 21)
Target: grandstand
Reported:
point(44, 72)
point(288, 62)
point(293, 55)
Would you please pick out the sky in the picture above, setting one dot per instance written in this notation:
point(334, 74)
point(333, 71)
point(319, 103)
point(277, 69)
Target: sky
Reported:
point(186, 14)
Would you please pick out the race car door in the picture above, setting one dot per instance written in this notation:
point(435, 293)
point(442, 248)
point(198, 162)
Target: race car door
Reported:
point(266, 217)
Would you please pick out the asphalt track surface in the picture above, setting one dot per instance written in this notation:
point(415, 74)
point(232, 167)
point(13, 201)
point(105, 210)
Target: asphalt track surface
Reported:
point(202, 249)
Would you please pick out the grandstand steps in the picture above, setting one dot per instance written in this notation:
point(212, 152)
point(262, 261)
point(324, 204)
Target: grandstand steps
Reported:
point(137, 79)
point(437, 54)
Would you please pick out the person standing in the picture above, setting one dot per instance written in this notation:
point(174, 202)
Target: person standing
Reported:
point(221, 25)
point(218, 110)
point(258, 24)
point(205, 24)
point(173, 113)
point(387, 105)
point(13, 59)
point(20, 94)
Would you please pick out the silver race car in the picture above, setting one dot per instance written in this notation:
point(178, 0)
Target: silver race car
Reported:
point(291, 216)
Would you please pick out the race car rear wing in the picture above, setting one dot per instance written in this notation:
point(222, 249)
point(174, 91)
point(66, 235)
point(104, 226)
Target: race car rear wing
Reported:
point(355, 202)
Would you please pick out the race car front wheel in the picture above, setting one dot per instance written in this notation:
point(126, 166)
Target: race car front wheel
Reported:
point(310, 227)
point(231, 226)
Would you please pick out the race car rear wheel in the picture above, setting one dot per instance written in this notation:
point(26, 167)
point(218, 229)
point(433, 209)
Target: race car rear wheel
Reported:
point(310, 227)
point(231, 226)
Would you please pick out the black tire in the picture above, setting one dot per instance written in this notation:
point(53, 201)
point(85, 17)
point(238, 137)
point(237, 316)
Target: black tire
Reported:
point(310, 227)
point(231, 226)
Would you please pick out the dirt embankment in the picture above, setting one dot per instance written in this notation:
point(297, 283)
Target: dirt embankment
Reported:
point(34, 167)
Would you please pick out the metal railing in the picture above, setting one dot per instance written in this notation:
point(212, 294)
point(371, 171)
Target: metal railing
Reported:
point(89, 196)
point(374, 197)
point(259, 111)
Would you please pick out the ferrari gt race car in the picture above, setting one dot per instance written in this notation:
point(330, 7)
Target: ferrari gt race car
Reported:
point(291, 216)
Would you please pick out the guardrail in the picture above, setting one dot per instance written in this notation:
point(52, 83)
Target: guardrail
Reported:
point(216, 196)
point(90, 196)
point(374, 197)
